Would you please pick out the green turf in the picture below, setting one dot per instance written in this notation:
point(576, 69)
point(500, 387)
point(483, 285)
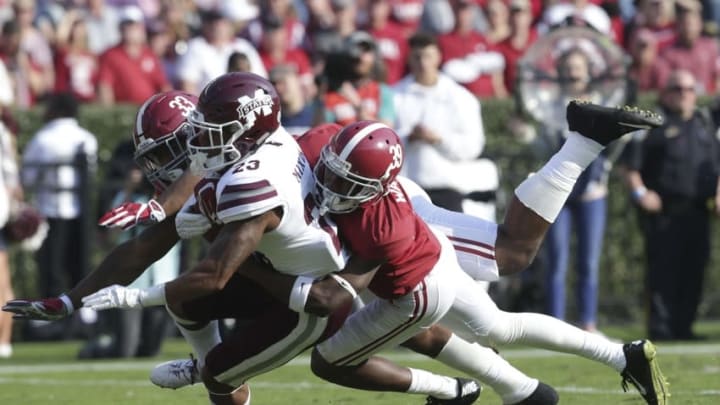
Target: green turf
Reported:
point(46, 373)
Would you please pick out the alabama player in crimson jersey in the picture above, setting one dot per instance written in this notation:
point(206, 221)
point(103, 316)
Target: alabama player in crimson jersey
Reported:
point(355, 175)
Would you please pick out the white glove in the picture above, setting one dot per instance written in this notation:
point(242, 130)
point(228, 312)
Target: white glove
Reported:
point(117, 296)
point(189, 225)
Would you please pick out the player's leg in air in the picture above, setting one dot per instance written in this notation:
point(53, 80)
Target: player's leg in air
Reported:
point(486, 250)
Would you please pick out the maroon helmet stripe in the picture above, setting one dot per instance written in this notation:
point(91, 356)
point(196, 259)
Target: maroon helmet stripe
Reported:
point(246, 200)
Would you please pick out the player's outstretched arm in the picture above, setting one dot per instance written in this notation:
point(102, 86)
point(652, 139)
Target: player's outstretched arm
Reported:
point(128, 261)
point(130, 214)
point(235, 242)
point(120, 267)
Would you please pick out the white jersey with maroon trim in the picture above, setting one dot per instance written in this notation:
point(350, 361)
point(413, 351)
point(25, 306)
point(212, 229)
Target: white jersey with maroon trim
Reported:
point(277, 175)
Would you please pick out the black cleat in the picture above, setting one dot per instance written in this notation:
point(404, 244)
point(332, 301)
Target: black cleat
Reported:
point(467, 392)
point(642, 371)
point(606, 124)
point(543, 395)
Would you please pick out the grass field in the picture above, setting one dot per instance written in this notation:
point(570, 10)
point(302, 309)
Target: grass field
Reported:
point(47, 373)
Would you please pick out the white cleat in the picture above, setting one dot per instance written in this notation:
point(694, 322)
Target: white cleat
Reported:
point(176, 373)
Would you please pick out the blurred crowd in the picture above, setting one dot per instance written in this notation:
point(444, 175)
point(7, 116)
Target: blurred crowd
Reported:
point(123, 51)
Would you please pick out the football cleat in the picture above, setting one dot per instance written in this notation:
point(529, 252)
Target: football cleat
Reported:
point(642, 371)
point(467, 392)
point(176, 373)
point(543, 395)
point(606, 124)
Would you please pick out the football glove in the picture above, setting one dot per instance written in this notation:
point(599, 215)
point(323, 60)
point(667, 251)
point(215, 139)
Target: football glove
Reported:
point(130, 214)
point(117, 296)
point(45, 309)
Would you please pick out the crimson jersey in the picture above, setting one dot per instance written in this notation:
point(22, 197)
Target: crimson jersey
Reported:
point(388, 230)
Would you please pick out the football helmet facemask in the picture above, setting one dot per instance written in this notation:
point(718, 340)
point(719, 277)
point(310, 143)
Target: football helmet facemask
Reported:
point(160, 133)
point(357, 166)
point(235, 114)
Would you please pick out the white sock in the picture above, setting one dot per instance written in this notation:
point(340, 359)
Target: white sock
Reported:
point(201, 339)
point(438, 386)
point(488, 367)
point(546, 191)
point(550, 333)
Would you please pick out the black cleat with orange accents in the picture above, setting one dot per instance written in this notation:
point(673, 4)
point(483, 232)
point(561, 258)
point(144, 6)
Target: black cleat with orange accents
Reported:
point(606, 124)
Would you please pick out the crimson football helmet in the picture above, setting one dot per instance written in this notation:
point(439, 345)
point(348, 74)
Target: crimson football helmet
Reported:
point(160, 134)
point(236, 112)
point(356, 166)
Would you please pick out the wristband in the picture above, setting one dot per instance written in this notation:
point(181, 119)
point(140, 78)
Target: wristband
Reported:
point(68, 303)
point(638, 193)
point(344, 284)
point(152, 296)
point(299, 293)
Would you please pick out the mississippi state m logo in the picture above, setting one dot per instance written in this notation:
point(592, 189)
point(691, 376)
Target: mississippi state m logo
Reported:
point(250, 107)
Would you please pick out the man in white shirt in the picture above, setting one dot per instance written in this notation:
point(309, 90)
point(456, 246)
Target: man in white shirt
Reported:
point(53, 165)
point(207, 55)
point(441, 126)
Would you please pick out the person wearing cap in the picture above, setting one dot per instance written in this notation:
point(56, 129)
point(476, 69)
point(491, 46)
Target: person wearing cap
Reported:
point(354, 92)
point(691, 51)
point(207, 55)
point(130, 72)
point(468, 58)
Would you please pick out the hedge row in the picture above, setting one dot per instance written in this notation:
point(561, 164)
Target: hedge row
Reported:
point(622, 266)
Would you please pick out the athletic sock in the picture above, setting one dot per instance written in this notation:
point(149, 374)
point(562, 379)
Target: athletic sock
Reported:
point(546, 191)
point(201, 338)
point(546, 332)
point(489, 368)
point(438, 386)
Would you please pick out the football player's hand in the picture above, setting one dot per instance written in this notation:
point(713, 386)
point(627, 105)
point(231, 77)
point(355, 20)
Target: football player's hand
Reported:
point(129, 214)
point(115, 296)
point(45, 309)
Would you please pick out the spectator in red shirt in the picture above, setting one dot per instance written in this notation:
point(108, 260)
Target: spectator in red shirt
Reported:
point(658, 16)
point(275, 50)
point(644, 69)
point(407, 13)
point(283, 11)
point(130, 72)
point(468, 58)
point(498, 21)
point(522, 36)
point(76, 67)
point(691, 52)
point(390, 39)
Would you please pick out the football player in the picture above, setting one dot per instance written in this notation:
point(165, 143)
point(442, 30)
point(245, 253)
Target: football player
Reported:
point(356, 172)
point(634, 361)
point(246, 190)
